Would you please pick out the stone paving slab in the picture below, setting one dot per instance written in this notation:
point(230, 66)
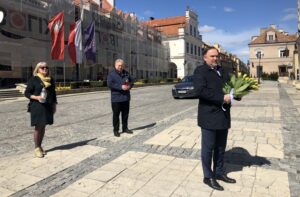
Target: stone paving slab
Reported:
point(144, 174)
point(19, 172)
point(256, 112)
point(259, 139)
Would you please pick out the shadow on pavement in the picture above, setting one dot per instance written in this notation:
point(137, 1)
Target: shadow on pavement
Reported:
point(237, 158)
point(72, 145)
point(144, 127)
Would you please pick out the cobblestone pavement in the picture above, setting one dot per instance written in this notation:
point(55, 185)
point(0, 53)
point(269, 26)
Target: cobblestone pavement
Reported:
point(162, 157)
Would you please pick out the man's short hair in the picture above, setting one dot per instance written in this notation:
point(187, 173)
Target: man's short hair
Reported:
point(119, 61)
point(208, 49)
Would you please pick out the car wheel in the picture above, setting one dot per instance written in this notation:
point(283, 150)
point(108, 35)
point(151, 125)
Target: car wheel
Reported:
point(176, 97)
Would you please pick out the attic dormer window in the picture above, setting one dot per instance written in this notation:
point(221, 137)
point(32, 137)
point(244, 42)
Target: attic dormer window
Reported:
point(271, 36)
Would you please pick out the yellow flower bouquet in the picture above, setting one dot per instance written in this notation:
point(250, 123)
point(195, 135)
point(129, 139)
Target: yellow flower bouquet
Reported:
point(240, 85)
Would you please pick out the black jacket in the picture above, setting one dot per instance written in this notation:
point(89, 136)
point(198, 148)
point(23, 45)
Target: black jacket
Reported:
point(115, 80)
point(208, 86)
point(41, 113)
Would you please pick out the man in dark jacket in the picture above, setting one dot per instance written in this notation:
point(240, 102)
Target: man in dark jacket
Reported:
point(214, 121)
point(120, 83)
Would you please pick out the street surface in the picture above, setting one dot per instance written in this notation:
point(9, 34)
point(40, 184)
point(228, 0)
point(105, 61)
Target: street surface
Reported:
point(162, 157)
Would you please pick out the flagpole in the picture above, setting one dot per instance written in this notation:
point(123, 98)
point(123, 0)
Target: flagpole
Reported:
point(81, 18)
point(64, 74)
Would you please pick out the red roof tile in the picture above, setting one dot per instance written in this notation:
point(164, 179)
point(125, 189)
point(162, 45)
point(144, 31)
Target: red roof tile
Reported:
point(280, 37)
point(168, 26)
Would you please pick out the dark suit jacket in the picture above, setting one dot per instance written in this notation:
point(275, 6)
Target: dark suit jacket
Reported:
point(115, 80)
point(208, 85)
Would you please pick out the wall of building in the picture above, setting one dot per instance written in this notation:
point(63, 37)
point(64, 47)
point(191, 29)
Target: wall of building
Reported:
point(25, 44)
point(270, 59)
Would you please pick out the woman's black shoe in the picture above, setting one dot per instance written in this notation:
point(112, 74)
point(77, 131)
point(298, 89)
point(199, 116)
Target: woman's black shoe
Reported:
point(211, 182)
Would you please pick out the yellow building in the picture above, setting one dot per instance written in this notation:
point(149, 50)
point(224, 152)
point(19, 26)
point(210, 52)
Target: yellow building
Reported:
point(273, 51)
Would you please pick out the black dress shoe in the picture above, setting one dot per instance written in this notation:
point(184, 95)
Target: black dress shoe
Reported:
point(225, 178)
point(211, 182)
point(116, 133)
point(127, 131)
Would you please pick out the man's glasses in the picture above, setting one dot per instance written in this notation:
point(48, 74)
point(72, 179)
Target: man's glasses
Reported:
point(44, 67)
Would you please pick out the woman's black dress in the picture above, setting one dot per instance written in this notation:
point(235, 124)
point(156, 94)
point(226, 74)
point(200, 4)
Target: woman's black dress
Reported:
point(41, 113)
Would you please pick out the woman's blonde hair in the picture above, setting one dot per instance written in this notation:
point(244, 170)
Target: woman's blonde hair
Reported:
point(40, 64)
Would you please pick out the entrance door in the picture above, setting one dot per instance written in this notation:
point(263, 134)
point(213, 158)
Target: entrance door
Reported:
point(283, 71)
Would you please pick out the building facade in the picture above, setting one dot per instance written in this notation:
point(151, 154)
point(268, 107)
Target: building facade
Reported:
point(273, 51)
point(183, 40)
point(25, 40)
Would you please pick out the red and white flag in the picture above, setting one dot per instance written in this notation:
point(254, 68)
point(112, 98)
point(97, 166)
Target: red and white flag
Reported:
point(56, 27)
point(75, 42)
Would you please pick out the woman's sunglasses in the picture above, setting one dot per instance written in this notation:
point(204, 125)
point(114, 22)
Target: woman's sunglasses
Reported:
point(44, 67)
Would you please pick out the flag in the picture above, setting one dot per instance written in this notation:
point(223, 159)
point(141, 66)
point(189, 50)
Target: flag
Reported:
point(74, 42)
point(56, 27)
point(90, 42)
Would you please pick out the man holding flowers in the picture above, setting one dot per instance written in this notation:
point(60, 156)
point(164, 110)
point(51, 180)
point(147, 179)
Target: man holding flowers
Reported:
point(209, 80)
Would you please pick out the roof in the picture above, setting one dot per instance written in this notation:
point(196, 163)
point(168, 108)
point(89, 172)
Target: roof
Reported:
point(85, 2)
point(105, 4)
point(169, 26)
point(280, 37)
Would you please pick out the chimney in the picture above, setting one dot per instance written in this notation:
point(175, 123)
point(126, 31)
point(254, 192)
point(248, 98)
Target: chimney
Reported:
point(273, 26)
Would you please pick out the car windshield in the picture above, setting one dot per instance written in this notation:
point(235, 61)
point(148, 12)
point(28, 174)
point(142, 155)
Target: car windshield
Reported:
point(187, 79)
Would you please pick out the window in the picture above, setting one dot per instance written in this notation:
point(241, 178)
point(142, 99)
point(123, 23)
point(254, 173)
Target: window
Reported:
point(59, 70)
point(195, 48)
point(187, 47)
point(195, 31)
point(271, 37)
point(199, 51)
point(283, 53)
point(191, 30)
point(5, 67)
point(192, 48)
point(259, 53)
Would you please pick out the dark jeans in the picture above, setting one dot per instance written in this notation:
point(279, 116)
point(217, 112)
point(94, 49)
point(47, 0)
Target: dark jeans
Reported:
point(117, 108)
point(213, 146)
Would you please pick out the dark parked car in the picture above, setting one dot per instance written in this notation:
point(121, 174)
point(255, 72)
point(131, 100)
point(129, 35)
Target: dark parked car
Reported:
point(184, 89)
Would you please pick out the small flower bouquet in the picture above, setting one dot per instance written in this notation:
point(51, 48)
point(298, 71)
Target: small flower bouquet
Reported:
point(239, 86)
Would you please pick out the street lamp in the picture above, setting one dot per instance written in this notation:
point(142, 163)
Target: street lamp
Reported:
point(259, 67)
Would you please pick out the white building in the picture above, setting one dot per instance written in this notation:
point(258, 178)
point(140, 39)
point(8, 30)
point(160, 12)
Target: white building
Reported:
point(183, 39)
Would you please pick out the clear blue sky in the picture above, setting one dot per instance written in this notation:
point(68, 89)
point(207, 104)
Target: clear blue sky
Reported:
point(231, 23)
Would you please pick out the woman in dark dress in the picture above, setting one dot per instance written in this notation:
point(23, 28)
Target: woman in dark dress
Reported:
point(42, 106)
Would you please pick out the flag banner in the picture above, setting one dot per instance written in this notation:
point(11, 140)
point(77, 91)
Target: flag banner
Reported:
point(90, 43)
point(75, 42)
point(56, 27)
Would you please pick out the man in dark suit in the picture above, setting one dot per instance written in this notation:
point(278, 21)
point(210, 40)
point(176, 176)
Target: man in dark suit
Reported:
point(120, 83)
point(214, 121)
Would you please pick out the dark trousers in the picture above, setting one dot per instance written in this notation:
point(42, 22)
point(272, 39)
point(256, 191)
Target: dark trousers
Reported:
point(213, 147)
point(117, 108)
